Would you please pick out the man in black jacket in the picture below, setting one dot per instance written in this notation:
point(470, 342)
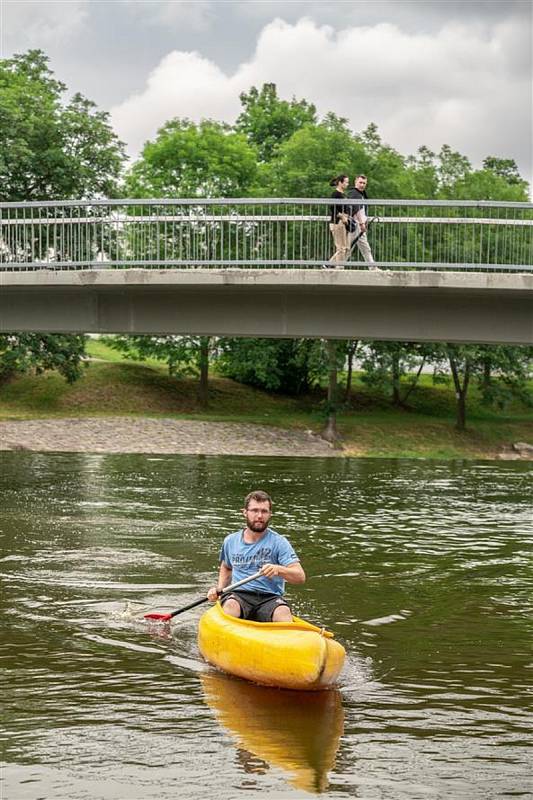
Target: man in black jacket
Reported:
point(360, 220)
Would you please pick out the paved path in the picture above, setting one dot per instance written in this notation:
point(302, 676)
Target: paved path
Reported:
point(144, 435)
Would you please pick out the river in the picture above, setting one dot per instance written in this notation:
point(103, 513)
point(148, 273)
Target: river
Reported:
point(422, 569)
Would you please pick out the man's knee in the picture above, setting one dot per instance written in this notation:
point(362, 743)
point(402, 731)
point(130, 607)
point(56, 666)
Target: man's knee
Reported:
point(232, 607)
point(282, 614)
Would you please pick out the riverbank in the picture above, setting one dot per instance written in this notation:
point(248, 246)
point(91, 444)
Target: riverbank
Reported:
point(130, 407)
point(164, 435)
point(188, 437)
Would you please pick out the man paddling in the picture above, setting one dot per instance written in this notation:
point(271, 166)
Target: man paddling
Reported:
point(257, 548)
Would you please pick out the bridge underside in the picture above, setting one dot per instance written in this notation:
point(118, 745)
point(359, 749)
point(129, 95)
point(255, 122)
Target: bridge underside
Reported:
point(404, 306)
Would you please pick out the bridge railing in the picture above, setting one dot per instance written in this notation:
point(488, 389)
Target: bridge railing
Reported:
point(262, 233)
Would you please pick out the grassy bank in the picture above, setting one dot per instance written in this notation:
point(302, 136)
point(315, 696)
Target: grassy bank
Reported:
point(368, 425)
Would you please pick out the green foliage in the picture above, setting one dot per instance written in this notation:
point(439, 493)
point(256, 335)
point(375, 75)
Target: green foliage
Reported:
point(504, 168)
point(384, 166)
point(424, 173)
point(189, 160)
point(449, 176)
point(50, 149)
point(31, 352)
point(179, 353)
point(305, 164)
point(483, 184)
point(511, 365)
point(395, 367)
point(288, 366)
point(267, 121)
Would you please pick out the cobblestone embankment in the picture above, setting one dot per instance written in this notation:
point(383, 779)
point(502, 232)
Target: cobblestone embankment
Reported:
point(134, 435)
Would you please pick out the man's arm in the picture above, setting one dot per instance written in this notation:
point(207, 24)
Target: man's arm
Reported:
point(224, 579)
point(361, 218)
point(292, 573)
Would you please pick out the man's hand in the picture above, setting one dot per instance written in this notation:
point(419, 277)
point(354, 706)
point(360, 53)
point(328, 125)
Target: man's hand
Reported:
point(270, 570)
point(213, 594)
point(292, 573)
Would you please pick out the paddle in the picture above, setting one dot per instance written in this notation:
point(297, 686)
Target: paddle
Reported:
point(167, 617)
point(362, 233)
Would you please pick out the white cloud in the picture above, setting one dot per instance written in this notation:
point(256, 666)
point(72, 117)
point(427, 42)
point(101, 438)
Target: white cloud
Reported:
point(49, 22)
point(467, 87)
point(182, 85)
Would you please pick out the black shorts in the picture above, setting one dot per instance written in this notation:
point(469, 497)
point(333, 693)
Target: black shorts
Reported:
point(257, 606)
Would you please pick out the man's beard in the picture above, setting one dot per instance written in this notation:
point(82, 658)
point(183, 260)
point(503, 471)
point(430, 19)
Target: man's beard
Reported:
point(258, 526)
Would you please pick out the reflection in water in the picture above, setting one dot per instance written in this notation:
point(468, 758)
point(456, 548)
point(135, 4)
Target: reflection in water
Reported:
point(296, 731)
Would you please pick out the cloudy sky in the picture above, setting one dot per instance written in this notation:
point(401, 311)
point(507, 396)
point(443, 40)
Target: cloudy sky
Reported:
point(426, 71)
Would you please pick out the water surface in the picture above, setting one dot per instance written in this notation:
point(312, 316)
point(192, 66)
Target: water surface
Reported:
point(422, 570)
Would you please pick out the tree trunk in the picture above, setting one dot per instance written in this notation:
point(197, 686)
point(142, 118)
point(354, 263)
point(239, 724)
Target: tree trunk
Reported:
point(351, 354)
point(461, 412)
point(486, 380)
point(203, 386)
point(396, 398)
point(460, 390)
point(330, 431)
point(414, 383)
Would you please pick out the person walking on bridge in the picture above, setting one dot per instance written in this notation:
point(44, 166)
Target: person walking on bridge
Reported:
point(359, 220)
point(338, 223)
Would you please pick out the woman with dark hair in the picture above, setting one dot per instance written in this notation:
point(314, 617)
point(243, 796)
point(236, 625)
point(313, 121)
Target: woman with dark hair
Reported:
point(338, 223)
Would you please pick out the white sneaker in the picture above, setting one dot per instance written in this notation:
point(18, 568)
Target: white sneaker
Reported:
point(375, 269)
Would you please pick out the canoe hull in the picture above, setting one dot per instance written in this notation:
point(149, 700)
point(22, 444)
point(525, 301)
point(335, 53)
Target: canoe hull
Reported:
point(294, 655)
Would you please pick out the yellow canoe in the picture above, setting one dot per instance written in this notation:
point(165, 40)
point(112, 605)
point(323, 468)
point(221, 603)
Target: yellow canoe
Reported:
point(295, 655)
point(299, 735)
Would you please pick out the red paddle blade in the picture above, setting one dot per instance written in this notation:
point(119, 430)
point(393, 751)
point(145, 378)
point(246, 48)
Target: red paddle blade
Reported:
point(161, 617)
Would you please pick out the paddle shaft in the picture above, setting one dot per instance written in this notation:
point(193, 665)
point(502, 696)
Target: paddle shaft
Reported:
point(362, 233)
point(204, 599)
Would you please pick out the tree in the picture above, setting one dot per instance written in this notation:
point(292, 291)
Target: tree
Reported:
point(289, 366)
point(183, 355)
point(267, 121)
point(505, 168)
point(385, 364)
point(333, 351)
point(52, 150)
point(452, 168)
point(423, 169)
point(512, 365)
point(351, 350)
point(490, 184)
point(189, 160)
point(384, 166)
point(305, 163)
point(503, 373)
point(449, 175)
point(25, 352)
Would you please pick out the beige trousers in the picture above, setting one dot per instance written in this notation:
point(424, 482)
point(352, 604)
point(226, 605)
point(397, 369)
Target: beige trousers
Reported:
point(340, 240)
point(362, 244)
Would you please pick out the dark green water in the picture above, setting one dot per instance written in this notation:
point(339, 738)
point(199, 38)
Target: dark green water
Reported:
point(422, 569)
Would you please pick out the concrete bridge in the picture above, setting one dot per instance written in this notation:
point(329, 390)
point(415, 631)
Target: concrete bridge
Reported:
point(455, 272)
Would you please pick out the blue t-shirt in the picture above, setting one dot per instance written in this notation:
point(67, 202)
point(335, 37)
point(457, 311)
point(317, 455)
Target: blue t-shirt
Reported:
point(244, 559)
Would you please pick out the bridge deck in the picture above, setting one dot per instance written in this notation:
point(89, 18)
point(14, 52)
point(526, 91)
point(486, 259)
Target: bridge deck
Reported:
point(395, 305)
